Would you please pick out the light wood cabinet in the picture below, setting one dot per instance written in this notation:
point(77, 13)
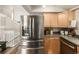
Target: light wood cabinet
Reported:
point(52, 45)
point(63, 20)
point(46, 44)
point(47, 17)
point(54, 20)
point(77, 50)
point(50, 19)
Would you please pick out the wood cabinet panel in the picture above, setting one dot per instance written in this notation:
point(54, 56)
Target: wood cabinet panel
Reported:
point(47, 19)
point(54, 20)
point(46, 44)
point(52, 45)
point(50, 19)
point(63, 19)
point(58, 19)
point(77, 50)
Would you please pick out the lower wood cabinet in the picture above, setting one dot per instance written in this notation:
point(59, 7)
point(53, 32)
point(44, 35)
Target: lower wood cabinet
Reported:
point(46, 44)
point(78, 50)
point(58, 45)
point(52, 45)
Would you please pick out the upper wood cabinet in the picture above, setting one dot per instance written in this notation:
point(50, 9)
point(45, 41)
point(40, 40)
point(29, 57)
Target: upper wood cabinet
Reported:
point(62, 19)
point(65, 18)
point(50, 19)
point(47, 17)
point(54, 20)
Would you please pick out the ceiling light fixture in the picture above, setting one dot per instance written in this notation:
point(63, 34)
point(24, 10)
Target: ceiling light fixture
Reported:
point(43, 6)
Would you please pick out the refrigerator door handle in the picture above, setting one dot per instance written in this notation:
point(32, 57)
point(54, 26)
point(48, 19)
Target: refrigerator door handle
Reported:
point(30, 25)
point(33, 26)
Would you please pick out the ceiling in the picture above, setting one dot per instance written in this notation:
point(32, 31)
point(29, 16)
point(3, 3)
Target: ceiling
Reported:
point(48, 8)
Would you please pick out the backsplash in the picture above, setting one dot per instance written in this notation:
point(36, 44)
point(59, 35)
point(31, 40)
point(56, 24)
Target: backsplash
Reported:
point(47, 31)
point(58, 31)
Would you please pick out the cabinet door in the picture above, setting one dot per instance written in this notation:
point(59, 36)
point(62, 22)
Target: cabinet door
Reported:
point(77, 50)
point(51, 45)
point(46, 45)
point(54, 19)
point(65, 19)
point(47, 19)
point(62, 20)
point(54, 46)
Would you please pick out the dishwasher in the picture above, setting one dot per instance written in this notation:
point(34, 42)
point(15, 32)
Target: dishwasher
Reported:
point(67, 47)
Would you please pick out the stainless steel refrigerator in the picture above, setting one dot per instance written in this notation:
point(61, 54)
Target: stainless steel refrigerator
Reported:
point(35, 26)
point(35, 32)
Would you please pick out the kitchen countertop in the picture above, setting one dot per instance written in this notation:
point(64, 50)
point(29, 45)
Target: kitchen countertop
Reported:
point(52, 36)
point(71, 39)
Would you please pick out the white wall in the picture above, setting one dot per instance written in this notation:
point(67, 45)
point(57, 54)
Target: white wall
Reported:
point(6, 9)
point(12, 14)
point(77, 19)
point(18, 11)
